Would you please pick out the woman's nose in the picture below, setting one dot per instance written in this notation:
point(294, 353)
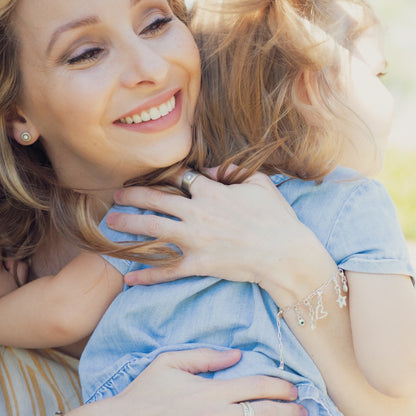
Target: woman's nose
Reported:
point(144, 63)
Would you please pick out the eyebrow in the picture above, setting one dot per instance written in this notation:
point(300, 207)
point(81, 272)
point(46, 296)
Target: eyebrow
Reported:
point(74, 24)
point(86, 21)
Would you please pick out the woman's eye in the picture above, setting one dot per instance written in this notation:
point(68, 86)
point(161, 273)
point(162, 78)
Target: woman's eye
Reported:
point(156, 26)
point(89, 55)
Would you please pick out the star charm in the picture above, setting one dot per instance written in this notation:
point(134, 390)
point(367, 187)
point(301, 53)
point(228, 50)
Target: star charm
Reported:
point(342, 301)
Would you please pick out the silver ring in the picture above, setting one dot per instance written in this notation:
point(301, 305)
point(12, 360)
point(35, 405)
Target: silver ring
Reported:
point(188, 179)
point(247, 409)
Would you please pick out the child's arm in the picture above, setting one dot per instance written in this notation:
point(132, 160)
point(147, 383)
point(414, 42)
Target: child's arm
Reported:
point(383, 322)
point(382, 297)
point(62, 309)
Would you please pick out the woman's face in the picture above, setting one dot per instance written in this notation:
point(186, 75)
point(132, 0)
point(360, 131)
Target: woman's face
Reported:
point(109, 85)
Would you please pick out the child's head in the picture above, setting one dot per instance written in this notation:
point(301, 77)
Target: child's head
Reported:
point(369, 106)
point(282, 81)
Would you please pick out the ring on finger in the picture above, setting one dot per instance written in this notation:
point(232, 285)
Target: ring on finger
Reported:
point(188, 179)
point(247, 409)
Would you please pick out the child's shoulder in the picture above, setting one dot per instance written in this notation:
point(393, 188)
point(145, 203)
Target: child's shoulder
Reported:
point(348, 213)
point(342, 189)
point(354, 218)
point(340, 184)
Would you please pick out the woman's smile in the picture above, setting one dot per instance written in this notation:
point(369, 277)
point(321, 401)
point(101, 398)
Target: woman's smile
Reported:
point(153, 117)
point(115, 87)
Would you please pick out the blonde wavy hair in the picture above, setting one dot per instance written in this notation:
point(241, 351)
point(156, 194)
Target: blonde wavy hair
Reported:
point(32, 202)
point(249, 113)
point(254, 56)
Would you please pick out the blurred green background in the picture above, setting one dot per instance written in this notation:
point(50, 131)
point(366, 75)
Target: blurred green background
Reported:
point(399, 175)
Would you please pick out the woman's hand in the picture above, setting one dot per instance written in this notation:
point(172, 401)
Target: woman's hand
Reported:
point(242, 232)
point(169, 387)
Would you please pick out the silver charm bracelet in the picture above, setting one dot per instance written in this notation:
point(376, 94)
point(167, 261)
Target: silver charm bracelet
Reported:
point(314, 304)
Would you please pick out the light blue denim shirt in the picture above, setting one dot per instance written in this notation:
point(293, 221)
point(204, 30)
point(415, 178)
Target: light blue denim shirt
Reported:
point(354, 219)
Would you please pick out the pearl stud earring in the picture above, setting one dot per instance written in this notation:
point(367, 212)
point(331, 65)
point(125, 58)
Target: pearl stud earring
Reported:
point(26, 137)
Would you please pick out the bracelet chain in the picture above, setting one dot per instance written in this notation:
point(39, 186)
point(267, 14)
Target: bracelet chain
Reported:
point(314, 305)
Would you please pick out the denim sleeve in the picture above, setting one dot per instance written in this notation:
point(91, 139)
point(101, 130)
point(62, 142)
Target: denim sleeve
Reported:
point(366, 235)
point(122, 265)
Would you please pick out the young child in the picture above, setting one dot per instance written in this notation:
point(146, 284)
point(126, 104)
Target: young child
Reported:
point(353, 218)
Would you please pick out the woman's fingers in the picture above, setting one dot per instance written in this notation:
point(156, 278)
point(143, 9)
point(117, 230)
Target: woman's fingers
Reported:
point(152, 199)
point(204, 360)
point(271, 408)
point(170, 386)
point(165, 229)
point(178, 177)
point(259, 390)
point(262, 387)
point(184, 267)
point(154, 275)
point(199, 360)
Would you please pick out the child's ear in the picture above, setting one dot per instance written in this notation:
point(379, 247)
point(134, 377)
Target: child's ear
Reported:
point(308, 90)
point(21, 128)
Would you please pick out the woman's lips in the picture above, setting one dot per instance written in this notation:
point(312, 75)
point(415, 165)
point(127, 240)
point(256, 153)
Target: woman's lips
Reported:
point(155, 118)
point(154, 113)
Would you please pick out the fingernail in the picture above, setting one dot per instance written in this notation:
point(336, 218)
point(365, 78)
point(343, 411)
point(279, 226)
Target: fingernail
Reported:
point(129, 279)
point(294, 393)
point(111, 219)
point(303, 412)
point(117, 195)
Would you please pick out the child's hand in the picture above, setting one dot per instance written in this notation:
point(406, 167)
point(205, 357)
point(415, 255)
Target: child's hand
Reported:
point(10, 281)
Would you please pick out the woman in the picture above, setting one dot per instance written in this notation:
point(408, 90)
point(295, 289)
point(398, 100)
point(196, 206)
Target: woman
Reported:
point(50, 92)
point(49, 115)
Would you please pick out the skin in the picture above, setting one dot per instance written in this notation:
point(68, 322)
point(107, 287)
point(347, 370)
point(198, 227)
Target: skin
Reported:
point(172, 373)
point(369, 293)
point(84, 67)
point(79, 81)
point(369, 125)
point(86, 156)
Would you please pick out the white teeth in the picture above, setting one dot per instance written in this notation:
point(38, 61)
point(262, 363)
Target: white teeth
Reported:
point(145, 116)
point(164, 109)
point(153, 114)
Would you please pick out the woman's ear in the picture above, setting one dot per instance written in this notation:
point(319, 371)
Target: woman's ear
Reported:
point(21, 128)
